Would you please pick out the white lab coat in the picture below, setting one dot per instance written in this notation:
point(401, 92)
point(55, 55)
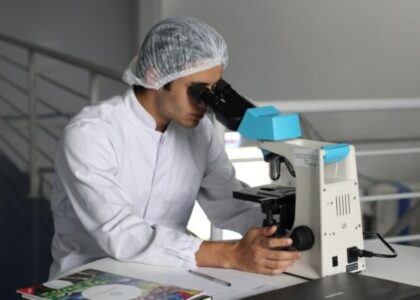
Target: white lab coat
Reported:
point(125, 190)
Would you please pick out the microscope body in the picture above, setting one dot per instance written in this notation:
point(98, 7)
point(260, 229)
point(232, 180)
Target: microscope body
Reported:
point(327, 201)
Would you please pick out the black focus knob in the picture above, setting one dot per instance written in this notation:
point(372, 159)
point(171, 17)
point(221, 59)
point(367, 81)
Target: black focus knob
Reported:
point(303, 238)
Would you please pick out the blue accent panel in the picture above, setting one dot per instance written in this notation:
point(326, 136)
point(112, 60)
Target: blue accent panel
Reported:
point(268, 123)
point(335, 152)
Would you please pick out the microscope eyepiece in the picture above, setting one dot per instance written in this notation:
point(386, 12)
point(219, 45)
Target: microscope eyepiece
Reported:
point(228, 106)
point(197, 91)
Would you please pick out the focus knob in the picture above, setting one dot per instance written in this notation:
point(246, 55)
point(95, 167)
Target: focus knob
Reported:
point(303, 238)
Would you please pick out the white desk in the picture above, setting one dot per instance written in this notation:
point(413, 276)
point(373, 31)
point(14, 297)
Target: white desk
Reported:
point(405, 268)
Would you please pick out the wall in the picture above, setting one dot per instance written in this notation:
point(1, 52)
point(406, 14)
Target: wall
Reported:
point(303, 49)
point(102, 31)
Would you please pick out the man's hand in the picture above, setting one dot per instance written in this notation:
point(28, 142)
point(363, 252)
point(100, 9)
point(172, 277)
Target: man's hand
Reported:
point(255, 252)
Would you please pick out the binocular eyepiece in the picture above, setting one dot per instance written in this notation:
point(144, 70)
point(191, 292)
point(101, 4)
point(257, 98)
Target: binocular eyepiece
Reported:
point(228, 106)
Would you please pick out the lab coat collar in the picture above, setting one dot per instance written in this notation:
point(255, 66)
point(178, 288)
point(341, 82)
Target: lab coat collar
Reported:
point(142, 114)
point(139, 111)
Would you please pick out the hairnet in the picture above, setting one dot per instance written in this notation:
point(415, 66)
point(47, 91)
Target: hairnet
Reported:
point(174, 48)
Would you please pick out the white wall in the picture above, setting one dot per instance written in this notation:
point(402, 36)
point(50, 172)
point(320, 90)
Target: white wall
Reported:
point(304, 49)
point(102, 31)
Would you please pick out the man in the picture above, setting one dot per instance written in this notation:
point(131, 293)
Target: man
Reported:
point(129, 169)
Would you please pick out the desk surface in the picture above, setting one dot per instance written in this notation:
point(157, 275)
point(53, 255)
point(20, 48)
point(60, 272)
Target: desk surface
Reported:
point(403, 269)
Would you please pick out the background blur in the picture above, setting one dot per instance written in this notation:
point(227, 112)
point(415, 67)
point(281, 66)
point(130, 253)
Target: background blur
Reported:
point(351, 68)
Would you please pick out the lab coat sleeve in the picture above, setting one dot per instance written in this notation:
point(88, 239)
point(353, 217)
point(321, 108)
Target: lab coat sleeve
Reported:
point(216, 194)
point(86, 164)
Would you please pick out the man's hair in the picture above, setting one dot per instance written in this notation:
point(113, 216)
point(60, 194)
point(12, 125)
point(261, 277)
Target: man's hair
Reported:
point(138, 89)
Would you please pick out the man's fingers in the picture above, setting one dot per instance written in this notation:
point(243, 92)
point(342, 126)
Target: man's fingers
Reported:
point(282, 255)
point(269, 231)
point(274, 267)
point(262, 231)
point(278, 264)
point(268, 271)
point(279, 242)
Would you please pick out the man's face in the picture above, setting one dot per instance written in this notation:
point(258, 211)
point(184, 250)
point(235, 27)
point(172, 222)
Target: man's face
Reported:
point(175, 104)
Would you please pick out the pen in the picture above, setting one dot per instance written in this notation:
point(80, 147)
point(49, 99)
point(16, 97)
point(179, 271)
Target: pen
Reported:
point(214, 279)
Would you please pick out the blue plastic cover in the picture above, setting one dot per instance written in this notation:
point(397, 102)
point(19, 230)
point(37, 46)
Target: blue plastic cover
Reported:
point(335, 152)
point(268, 123)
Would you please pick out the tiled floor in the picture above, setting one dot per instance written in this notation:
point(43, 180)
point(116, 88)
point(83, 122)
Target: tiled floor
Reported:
point(25, 233)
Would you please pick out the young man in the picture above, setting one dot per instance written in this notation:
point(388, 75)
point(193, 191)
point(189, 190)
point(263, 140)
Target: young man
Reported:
point(129, 169)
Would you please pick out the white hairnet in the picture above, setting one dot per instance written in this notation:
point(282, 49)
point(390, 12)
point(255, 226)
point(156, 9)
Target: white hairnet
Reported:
point(174, 48)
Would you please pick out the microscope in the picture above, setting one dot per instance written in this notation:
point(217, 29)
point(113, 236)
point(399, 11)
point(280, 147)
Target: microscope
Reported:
point(314, 195)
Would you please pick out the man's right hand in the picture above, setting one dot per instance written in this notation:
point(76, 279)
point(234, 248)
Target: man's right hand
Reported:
point(255, 252)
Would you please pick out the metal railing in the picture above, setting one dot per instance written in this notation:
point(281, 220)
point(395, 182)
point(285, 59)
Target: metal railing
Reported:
point(34, 52)
point(346, 105)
